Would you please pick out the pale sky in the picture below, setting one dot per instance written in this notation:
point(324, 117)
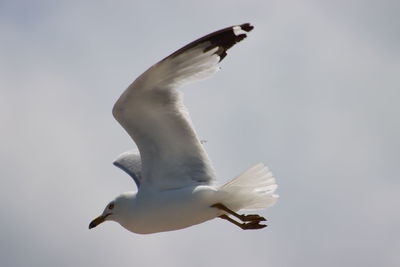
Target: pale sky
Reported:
point(313, 92)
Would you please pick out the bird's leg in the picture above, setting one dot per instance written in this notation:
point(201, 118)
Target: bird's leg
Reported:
point(242, 217)
point(245, 226)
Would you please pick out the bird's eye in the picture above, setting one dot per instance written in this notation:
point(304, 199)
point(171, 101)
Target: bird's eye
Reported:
point(111, 206)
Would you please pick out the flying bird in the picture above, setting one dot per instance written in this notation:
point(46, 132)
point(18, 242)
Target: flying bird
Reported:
point(175, 179)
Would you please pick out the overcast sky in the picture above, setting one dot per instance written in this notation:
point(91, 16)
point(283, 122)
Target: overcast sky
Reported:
point(313, 92)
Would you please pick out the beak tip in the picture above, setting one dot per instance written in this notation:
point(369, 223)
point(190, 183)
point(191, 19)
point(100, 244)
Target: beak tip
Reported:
point(93, 223)
point(97, 221)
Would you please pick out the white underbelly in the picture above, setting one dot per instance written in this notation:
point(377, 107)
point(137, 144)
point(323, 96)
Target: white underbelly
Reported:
point(173, 210)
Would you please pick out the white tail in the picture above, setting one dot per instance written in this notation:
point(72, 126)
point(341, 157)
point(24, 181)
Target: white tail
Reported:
point(253, 189)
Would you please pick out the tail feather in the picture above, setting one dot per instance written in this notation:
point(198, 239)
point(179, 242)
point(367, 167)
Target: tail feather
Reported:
point(253, 189)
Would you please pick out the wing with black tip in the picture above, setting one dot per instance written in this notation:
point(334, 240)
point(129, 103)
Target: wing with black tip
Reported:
point(151, 110)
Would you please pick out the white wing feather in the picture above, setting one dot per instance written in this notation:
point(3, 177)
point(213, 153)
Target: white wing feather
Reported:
point(130, 163)
point(153, 114)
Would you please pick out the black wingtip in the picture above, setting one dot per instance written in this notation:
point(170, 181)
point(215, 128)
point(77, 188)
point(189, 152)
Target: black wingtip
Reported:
point(247, 27)
point(223, 39)
point(226, 38)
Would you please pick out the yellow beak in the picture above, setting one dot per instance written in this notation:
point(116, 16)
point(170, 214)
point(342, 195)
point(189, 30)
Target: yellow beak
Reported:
point(98, 220)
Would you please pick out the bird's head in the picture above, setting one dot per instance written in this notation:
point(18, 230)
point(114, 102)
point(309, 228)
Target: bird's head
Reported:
point(116, 209)
point(110, 210)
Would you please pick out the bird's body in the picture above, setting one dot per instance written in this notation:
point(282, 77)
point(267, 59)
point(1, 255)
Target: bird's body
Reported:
point(175, 179)
point(173, 209)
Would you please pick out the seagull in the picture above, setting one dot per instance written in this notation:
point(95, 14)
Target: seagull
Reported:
point(174, 176)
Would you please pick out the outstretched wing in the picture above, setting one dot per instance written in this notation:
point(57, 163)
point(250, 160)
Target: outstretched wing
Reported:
point(130, 163)
point(153, 114)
